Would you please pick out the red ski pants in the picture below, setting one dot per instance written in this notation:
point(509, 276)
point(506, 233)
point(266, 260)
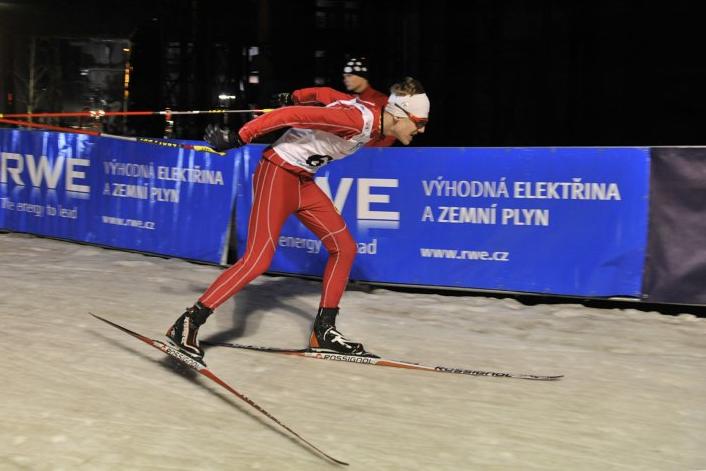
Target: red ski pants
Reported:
point(281, 190)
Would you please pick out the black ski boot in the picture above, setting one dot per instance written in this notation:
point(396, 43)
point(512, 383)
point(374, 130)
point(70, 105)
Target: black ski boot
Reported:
point(325, 337)
point(183, 334)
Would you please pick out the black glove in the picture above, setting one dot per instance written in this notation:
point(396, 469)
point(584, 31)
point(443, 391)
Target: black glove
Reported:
point(222, 139)
point(282, 99)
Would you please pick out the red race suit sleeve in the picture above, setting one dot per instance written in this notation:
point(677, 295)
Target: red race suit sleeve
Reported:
point(318, 96)
point(343, 121)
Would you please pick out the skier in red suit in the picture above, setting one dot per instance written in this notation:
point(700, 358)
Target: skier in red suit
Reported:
point(356, 80)
point(284, 185)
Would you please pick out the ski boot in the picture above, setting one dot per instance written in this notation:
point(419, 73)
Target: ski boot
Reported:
point(184, 333)
point(326, 338)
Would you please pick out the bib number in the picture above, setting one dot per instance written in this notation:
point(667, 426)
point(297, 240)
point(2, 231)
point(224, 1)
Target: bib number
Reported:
point(318, 160)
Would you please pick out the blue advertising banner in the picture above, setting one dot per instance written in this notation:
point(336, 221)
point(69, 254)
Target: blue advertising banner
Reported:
point(116, 193)
point(567, 221)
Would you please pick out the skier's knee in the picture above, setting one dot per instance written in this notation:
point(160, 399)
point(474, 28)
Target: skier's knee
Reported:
point(347, 247)
point(262, 266)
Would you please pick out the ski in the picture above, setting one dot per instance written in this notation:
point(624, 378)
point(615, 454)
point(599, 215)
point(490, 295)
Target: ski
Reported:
point(200, 367)
point(373, 360)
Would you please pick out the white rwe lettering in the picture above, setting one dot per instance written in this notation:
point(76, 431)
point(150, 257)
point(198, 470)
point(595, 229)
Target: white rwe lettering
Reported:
point(43, 170)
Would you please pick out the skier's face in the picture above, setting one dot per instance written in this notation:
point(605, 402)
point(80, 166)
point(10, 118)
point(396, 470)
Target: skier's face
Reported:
point(404, 129)
point(354, 83)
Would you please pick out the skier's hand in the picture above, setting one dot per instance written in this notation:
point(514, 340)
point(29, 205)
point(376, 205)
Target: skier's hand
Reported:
point(222, 139)
point(282, 99)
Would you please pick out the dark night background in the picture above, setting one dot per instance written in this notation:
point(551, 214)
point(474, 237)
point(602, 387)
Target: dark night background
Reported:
point(500, 73)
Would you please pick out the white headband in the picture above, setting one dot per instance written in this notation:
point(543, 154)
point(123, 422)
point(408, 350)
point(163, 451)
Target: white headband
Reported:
point(417, 105)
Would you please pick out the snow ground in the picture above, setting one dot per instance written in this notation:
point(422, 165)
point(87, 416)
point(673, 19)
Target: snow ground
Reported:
point(77, 394)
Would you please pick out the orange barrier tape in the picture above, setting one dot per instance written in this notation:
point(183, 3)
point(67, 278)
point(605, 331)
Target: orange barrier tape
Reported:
point(143, 140)
point(100, 113)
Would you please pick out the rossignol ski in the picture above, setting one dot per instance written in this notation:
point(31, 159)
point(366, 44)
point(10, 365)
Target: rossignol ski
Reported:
point(186, 360)
point(373, 360)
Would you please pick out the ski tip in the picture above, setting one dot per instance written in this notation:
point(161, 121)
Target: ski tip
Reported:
point(103, 319)
point(334, 460)
point(547, 378)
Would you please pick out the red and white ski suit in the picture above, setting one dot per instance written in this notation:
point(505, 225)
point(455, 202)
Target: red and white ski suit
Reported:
point(284, 185)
